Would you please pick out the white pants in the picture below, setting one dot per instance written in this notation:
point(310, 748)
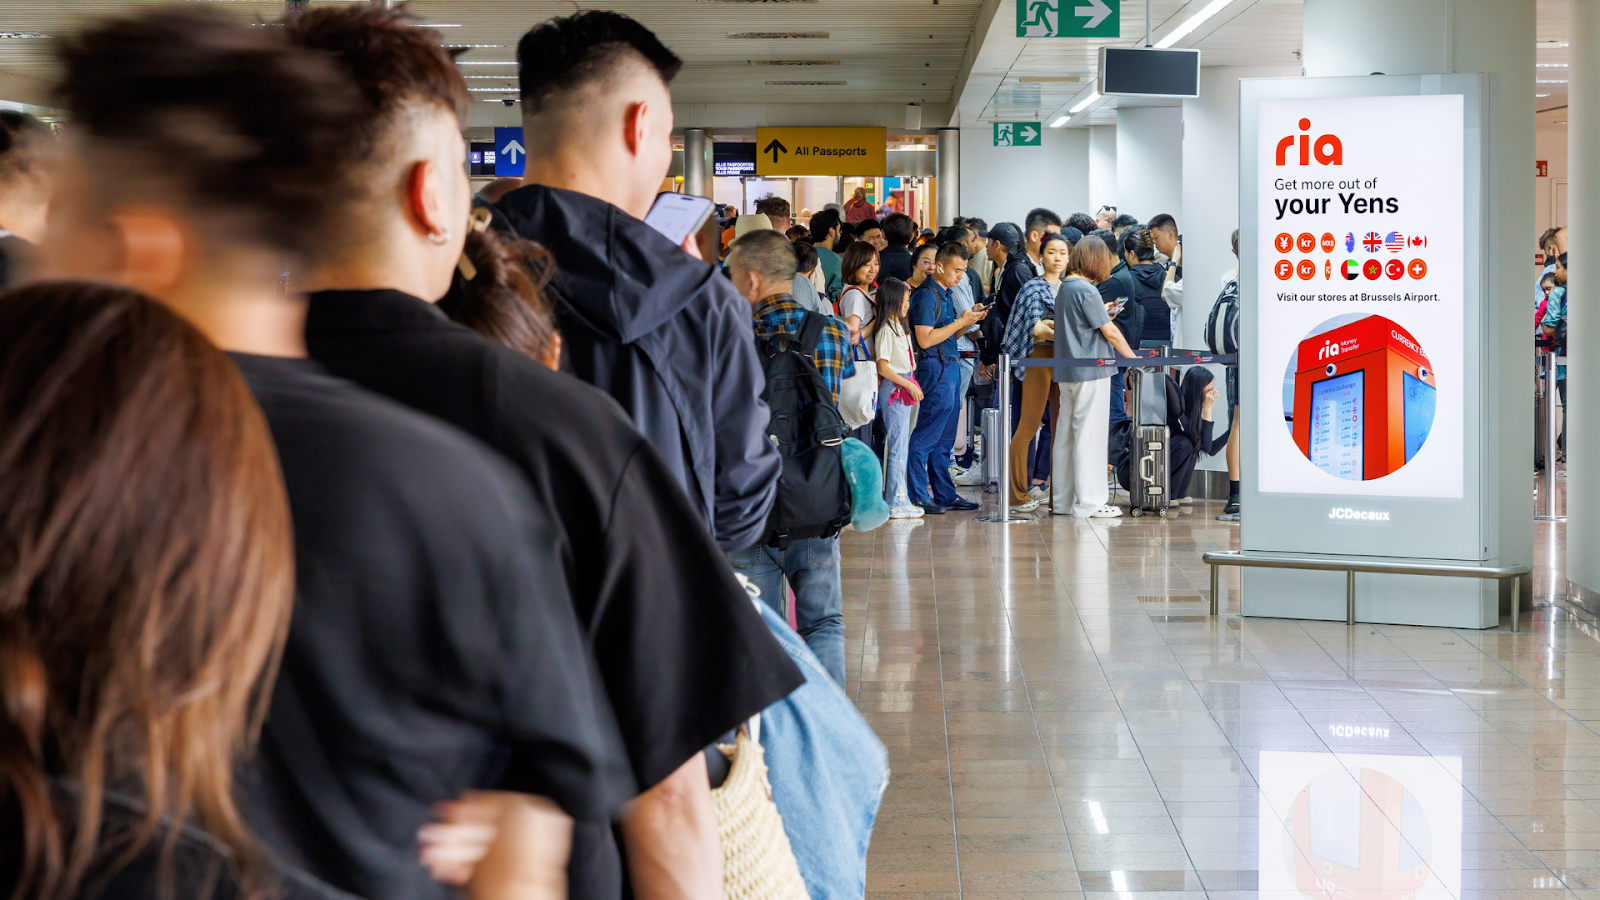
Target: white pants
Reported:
point(1078, 457)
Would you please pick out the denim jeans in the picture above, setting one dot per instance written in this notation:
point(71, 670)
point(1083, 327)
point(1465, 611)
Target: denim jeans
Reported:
point(828, 773)
point(897, 420)
point(929, 463)
point(1119, 413)
point(963, 381)
point(812, 568)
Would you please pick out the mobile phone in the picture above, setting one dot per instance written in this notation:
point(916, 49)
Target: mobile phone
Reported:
point(678, 215)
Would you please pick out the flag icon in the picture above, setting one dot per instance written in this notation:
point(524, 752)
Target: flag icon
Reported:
point(1372, 243)
point(1395, 242)
point(1349, 242)
point(1351, 269)
point(1418, 241)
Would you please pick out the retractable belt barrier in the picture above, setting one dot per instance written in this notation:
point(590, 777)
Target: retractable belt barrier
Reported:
point(1138, 362)
point(1148, 358)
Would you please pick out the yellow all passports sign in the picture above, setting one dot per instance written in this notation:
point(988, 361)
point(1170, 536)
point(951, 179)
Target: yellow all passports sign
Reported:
point(821, 151)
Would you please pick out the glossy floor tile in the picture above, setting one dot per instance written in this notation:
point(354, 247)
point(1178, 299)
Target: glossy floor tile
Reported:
point(1064, 720)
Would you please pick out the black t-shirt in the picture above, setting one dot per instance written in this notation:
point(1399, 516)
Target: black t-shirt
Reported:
point(894, 262)
point(200, 867)
point(433, 647)
point(684, 656)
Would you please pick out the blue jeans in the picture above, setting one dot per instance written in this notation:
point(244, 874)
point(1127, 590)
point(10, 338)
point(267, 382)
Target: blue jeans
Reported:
point(812, 567)
point(828, 773)
point(963, 381)
point(897, 422)
point(930, 449)
point(1118, 412)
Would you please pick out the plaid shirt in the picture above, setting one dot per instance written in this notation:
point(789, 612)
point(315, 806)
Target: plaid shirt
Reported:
point(779, 314)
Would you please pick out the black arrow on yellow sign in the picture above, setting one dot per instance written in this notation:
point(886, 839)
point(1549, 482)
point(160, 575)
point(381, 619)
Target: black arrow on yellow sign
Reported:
point(774, 148)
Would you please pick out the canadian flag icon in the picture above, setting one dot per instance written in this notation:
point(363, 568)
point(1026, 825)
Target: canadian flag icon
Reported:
point(1418, 241)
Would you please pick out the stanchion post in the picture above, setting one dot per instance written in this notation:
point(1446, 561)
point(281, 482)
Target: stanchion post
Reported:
point(1003, 492)
point(1350, 597)
point(1549, 434)
point(1216, 582)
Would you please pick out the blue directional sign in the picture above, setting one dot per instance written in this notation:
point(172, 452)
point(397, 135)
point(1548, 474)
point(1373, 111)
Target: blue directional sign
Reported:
point(510, 156)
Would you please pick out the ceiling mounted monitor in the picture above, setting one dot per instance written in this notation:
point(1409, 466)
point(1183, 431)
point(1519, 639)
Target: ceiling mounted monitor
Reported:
point(1149, 72)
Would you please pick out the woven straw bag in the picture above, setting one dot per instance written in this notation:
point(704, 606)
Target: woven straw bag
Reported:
point(757, 862)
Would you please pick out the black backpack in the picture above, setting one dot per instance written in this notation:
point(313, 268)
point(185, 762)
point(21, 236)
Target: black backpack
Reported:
point(813, 495)
point(1222, 326)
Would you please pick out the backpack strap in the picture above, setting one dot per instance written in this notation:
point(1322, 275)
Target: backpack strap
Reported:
point(810, 334)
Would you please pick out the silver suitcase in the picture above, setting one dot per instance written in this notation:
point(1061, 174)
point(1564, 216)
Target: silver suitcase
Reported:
point(1150, 480)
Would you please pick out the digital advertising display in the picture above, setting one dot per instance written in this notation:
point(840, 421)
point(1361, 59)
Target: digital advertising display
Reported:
point(1361, 296)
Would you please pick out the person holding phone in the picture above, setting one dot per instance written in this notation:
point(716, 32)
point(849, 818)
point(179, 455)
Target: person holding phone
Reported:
point(1024, 338)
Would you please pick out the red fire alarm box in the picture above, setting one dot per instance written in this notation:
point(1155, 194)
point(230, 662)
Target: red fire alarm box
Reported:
point(1541, 168)
point(1364, 399)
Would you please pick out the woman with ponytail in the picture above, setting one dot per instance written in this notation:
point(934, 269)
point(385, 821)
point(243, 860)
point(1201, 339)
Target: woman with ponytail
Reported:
point(498, 291)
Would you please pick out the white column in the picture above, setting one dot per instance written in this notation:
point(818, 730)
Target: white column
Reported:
point(1150, 161)
point(696, 165)
point(1583, 323)
point(948, 150)
point(1415, 37)
point(1102, 166)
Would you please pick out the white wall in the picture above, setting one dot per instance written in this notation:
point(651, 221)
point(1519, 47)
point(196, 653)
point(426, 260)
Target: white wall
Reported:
point(1000, 184)
point(1549, 144)
point(1211, 198)
point(1102, 167)
point(1150, 161)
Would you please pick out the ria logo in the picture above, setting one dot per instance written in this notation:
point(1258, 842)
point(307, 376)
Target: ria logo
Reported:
point(1327, 148)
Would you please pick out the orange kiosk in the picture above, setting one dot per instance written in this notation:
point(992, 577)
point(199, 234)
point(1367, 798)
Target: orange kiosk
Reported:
point(1364, 399)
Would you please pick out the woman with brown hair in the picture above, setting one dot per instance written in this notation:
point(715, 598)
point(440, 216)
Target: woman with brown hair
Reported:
point(1078, 460)
point(146, 579)
point(498, 291)
point(859, 268)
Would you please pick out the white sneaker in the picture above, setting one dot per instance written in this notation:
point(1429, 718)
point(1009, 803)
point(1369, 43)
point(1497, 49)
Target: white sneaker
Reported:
point(972, 477)
point(1039, 492)
point(1028, 507)
point(906, 512)
point(1106, 512)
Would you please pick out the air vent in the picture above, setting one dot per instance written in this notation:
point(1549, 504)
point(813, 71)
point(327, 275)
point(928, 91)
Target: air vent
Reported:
point(1073, 79)
point(777, 35)
point(794, 62)
point(805, 83)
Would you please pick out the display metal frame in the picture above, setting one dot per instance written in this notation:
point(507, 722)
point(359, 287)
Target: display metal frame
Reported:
point(1456, 530)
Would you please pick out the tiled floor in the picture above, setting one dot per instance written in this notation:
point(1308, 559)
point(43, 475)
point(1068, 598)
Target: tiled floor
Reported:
point(1065, 721)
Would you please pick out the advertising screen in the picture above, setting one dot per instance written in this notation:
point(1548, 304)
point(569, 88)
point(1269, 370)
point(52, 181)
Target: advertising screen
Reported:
point(1360, 335)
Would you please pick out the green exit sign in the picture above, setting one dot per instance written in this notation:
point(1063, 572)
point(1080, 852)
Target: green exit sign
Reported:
point(1069, 18)
point(1018, 134)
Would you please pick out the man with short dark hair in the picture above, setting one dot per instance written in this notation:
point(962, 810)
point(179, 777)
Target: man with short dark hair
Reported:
point(649, 586)
point(1040, 222)
point(1169, 253)
point(1082, 221)
point(872, 232)
point(895, 259)
point(761, 267)
point(825, 230)
point(778, 210)
point(1122, 223)
point(936, 327)
point(640, 318)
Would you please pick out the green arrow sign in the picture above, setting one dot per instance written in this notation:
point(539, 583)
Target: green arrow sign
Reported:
point(1069, 18)
point(1018, 134)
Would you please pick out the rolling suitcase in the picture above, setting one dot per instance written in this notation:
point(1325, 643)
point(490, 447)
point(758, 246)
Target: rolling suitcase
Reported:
point(1149, 480)
point(992, 446)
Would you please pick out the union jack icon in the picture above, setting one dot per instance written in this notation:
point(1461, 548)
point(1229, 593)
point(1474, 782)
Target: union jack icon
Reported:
point(1373, 242)
point(1395, 242)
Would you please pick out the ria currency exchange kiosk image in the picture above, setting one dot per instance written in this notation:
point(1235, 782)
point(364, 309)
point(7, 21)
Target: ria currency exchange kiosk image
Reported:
point(1364, 399)
point(1373, 368)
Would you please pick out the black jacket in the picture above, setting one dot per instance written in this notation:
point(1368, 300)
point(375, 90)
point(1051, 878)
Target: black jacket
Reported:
point(1130, 320)
point(672, 342)
point(1147, 281)
point(1018, 271)
point(894, 262)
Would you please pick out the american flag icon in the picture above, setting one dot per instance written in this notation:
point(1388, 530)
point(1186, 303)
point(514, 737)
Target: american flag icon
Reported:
point(1373, 242)
point(1395, 242)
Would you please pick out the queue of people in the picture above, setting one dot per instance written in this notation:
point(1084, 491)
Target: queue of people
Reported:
point(321, 579)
